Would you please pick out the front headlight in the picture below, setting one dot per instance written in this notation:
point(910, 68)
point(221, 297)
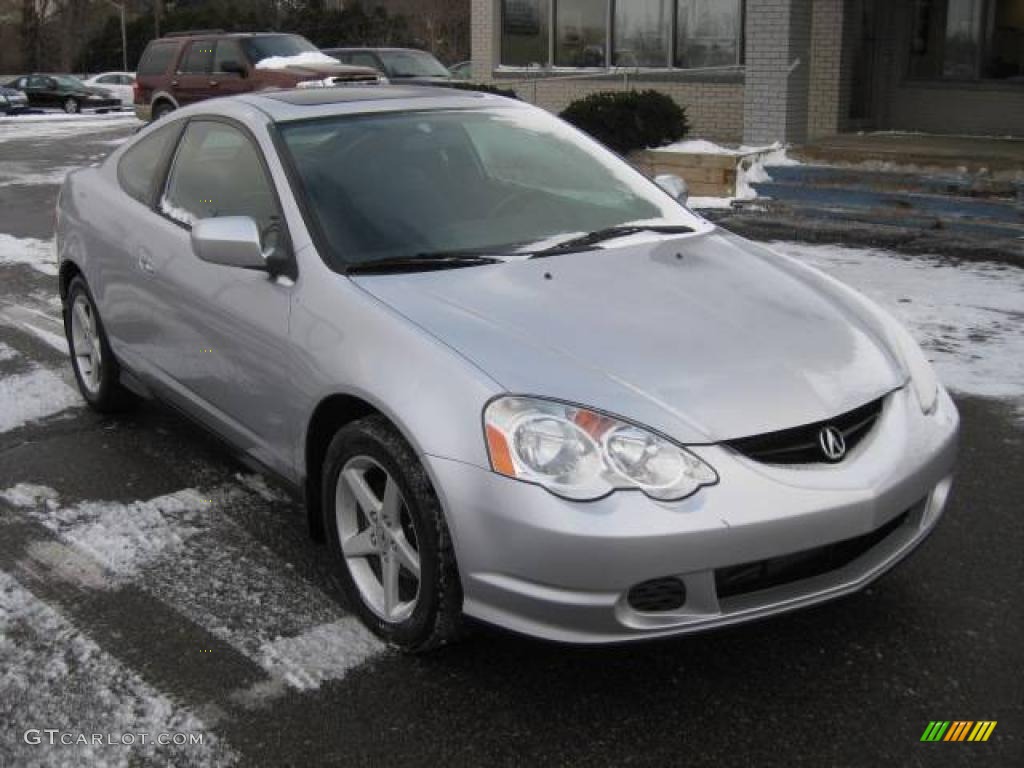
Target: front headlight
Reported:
point(584, 455)
point(312, 84)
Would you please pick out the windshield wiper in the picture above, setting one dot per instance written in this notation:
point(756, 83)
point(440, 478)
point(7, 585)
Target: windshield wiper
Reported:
point(421, 262)
point(599, 236)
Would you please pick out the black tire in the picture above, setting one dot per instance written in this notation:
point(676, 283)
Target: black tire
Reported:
point(437, 616)
point(110, 395)
point(162, 109)
point(71, 106)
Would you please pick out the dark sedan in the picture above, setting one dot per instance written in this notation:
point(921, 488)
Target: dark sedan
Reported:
point(401, 65)
point(64, 91)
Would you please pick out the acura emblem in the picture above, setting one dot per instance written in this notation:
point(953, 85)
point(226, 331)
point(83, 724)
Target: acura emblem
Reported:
point(832, 443)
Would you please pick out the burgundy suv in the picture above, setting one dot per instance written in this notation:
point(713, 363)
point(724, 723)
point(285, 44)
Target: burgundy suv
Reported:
point(186, 67)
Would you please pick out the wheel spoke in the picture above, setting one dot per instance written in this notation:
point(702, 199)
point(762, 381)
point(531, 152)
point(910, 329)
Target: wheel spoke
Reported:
point(360, 544)
point(406, 555)
point(355, 479)
point(389, 577)
point(391, 505)
point(83, 320)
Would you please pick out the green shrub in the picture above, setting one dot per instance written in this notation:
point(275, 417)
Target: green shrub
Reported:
point(629, 120)
point(485, 88)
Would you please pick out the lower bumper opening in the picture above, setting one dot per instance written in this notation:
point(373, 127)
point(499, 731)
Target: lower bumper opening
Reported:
point(777, 571)
point(657, 595)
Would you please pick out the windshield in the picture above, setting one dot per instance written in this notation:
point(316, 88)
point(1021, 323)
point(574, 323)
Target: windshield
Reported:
point(69, 82)
point(412, 64)
point(495, 181)
point(265, 46)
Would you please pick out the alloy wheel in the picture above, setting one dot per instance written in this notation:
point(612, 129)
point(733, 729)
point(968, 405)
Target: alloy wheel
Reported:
point(85, 338)
point(378, 539)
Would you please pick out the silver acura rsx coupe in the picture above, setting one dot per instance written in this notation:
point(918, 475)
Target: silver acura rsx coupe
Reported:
point(510, 376)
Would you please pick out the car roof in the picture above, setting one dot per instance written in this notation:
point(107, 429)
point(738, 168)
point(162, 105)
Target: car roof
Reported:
point(374, 48)
point(303, 103)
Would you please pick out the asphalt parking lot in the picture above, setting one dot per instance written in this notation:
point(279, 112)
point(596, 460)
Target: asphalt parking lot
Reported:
point(149, 583)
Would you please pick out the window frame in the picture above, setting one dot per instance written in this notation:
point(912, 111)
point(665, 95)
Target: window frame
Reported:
point(611, 48)
point(289, 264)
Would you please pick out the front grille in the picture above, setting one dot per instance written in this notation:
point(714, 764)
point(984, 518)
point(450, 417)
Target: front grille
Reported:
point(800, 445)
point(776, 571)
point(657, 595)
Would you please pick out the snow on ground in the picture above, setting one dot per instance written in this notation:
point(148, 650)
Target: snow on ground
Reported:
point(57, 125)
point(12, 173)
point(34, 395)
point(968, 317)
point(304, 59)
point(50, 672)
point(753, 163)
point(6, 353)
point(186, 550)
point(39, 254)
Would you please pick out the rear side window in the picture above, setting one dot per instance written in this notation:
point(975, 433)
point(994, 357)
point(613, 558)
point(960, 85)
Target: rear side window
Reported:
point(198, 58)
point(139, 164)
point(157, 58)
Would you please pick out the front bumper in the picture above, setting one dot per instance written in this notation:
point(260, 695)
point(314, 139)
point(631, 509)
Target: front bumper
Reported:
point(561, 570)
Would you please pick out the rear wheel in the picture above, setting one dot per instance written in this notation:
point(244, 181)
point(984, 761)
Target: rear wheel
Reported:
point(71, 106)
point(385, 527)
point(96, 370)
point(162, 109)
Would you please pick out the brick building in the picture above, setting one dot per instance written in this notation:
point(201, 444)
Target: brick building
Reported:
point(764, 70)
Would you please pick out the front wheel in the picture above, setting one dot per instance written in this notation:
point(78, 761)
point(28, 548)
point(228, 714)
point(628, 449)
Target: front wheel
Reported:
point(392, 549)
point(71, 106)
point(96, 370)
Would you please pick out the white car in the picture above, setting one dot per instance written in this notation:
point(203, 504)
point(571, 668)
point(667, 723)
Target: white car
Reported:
point(121, 84)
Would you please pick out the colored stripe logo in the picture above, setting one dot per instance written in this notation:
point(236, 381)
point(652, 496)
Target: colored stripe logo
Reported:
point(958, 730)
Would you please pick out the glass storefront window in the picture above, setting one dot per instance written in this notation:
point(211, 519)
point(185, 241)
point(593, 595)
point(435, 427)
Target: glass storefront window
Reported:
point(525, 32)
point(707, 33)
point(642, 33)
point(582, 33)
point(622, 33)
point(968, 40)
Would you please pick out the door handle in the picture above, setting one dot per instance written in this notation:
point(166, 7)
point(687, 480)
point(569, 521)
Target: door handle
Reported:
point(214, 83)
point(174, 83)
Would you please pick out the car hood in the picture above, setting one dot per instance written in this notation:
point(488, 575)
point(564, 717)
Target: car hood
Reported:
point(704, 338)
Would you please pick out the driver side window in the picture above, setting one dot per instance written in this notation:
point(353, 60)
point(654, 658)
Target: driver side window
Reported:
point(217, 171)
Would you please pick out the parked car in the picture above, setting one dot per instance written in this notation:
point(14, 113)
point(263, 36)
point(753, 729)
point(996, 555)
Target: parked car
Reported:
point(511, 376)
point(64, 91)
point(121, 84)
point(401, 65)
point(461, 71)
point(12, 101)
point(180, 69)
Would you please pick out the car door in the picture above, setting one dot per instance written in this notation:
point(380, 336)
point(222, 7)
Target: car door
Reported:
point(42, 91)
point(191, 82)
point(228, 82)
point(223, 348)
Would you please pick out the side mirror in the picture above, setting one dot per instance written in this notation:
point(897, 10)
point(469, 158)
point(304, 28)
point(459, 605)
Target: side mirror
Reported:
point(233, 67)
point(675, 186)
point(231, 241)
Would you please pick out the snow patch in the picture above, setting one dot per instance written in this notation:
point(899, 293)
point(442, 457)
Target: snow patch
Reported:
point(22, 174)
point(325, 652)
point(966, 316)
point(304, 59)
point(6, 353)
point(178, 214)
point(29, 495)
point(39, 254)
point(28, 397)
point(50, 671)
